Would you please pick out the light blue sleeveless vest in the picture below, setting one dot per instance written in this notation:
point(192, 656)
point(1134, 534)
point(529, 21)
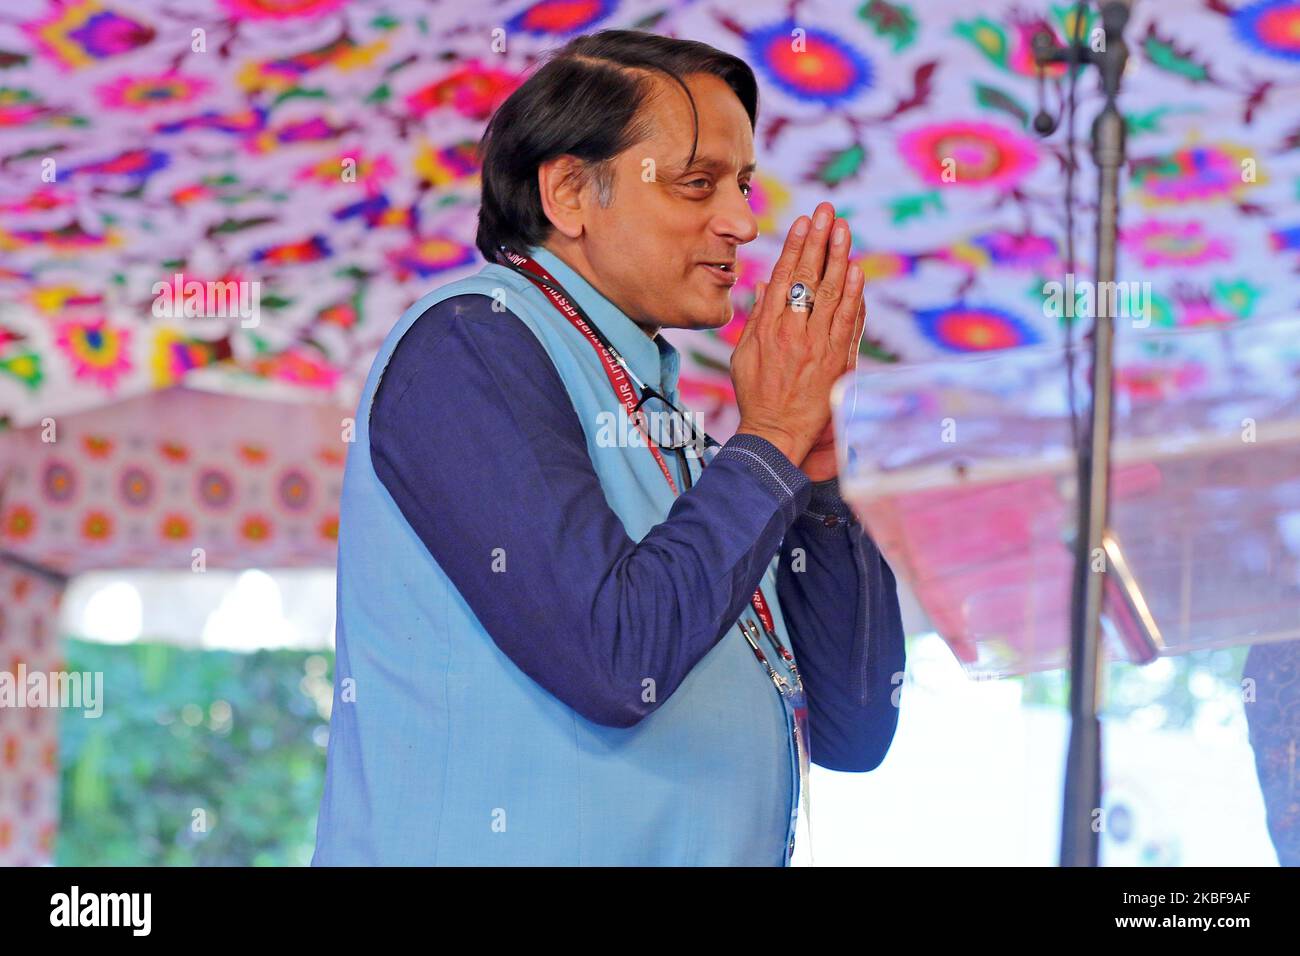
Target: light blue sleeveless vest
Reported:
point(441, 751)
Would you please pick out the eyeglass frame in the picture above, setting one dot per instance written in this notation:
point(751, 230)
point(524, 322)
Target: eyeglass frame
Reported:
point(647, 392)
point(699, 439)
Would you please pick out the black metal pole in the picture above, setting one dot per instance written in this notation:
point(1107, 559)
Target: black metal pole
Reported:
point(1081, 817)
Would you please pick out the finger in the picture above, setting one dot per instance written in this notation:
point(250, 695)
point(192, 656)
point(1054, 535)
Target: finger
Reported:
point(751, 320)
point(831, 287)
point(785, 262)
point(812, 258)
point(754, 310)
point(845, 318)
point(855, 341)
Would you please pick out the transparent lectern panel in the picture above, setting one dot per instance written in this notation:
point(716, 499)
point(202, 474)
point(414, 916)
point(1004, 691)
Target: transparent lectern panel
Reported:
point(964, 473)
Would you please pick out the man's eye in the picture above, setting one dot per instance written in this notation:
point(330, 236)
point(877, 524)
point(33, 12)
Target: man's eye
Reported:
point(701, 180)
point(746, 189)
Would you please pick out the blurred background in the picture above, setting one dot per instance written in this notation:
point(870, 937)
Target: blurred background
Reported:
point(169, 477)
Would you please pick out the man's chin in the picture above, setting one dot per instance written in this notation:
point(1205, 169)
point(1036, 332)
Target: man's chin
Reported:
point(704, 318)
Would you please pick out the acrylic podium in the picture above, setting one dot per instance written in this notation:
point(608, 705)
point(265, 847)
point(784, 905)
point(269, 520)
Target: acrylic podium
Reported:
point(963, 471)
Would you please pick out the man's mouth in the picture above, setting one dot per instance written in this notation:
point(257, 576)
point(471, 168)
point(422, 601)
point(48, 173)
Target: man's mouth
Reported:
point(722, 271)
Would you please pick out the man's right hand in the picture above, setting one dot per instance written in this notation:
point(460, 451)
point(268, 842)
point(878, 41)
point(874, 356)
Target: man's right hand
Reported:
point(785, 363)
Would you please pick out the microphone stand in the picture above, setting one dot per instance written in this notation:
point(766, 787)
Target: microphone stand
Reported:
point(1080, 825)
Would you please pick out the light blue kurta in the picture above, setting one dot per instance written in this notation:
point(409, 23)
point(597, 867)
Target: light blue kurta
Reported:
point(442, 751)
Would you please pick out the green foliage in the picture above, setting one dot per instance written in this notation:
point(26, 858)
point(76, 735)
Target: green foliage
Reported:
point(1169, 702)
point(239, 737)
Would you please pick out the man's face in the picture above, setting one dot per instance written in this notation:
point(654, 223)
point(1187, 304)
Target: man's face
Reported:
point(649, 248)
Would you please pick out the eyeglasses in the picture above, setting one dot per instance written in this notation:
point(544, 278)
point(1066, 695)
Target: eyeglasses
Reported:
point(662, 423)
point(670, 429)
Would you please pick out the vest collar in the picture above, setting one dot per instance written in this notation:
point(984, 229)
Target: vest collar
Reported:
point(654, 361)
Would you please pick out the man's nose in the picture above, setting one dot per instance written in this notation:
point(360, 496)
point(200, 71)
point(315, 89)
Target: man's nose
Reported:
point(735, 218)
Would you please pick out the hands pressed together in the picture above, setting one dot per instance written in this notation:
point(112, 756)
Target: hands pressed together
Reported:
point(786, 361)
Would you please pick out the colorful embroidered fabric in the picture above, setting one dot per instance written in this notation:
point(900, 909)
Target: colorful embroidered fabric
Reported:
point(209, 140)
point(29, 736)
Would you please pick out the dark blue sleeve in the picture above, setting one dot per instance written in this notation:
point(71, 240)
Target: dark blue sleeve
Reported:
point(840, 602)
point(474, 435)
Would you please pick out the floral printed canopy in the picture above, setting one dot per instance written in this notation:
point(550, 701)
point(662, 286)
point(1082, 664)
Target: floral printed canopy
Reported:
point(204, 138)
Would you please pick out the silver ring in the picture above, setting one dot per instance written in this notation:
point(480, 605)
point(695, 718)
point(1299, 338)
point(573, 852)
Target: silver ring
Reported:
point(799, 298)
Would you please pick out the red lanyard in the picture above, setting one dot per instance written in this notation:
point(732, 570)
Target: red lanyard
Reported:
point(614, 365)
point(616, 369)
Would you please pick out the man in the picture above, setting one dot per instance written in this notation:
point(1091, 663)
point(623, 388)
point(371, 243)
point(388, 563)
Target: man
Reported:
point(559, 645)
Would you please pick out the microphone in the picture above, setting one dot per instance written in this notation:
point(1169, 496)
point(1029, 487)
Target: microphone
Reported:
point(1045, 51)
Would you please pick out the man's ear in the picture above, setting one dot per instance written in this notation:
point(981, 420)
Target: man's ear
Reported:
point(562, 196)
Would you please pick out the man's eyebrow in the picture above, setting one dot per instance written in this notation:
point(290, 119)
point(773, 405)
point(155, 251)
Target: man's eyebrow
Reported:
point(715, 165)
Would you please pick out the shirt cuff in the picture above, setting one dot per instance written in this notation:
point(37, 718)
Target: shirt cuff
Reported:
point(776, 472)
point(827, 507)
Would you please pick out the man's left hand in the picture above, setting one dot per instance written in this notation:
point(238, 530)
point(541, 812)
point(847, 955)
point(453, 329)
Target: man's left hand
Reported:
point(820, 463)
